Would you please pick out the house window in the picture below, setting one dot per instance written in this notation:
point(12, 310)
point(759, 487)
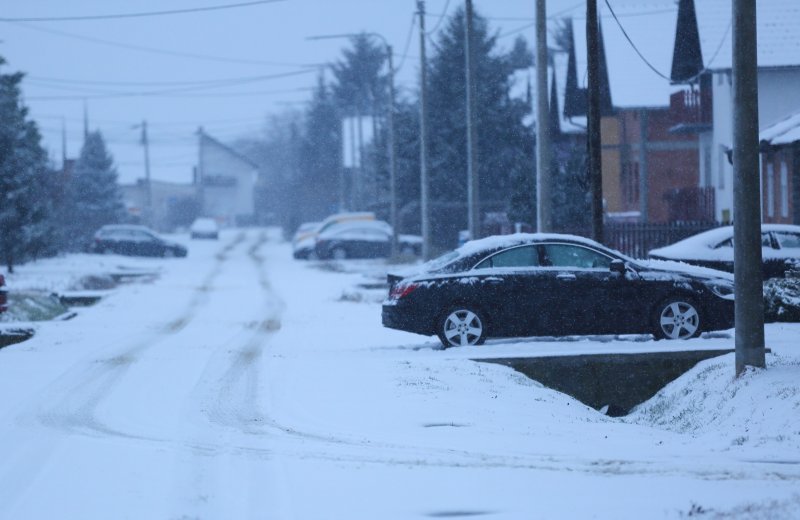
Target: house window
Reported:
point(770, 190)
point(630, 183)
point(784, 189)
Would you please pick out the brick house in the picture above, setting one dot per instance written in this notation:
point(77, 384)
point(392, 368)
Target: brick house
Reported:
point(780, 171)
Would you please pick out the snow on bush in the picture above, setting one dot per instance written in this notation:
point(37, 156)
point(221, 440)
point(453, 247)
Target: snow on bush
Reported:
point(782, 300)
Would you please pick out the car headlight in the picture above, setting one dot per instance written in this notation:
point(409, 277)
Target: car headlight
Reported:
point(722, 289)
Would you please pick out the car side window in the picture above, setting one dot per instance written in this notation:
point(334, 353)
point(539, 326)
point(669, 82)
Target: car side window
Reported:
point(788, 240)
point(565, 255)
point(725, 243)
point(526, 256)
point(766, 240)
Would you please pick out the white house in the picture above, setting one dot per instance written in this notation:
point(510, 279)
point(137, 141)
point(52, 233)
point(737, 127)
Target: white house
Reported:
point(226, 182)
point(778, 81)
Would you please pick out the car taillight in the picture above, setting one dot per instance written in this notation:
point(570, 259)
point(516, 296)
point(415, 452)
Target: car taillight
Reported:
point(402, 290)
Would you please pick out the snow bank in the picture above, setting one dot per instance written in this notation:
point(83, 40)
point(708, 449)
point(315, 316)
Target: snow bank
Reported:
point(759, 409)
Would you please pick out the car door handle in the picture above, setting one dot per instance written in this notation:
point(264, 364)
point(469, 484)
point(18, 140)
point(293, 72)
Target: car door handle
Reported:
point(493, 279)
point(567, 277)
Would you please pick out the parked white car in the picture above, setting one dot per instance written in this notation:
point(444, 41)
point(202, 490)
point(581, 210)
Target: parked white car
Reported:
point(204, 228)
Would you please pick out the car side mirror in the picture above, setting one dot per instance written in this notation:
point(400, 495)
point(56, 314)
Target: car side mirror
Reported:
point(617, 266)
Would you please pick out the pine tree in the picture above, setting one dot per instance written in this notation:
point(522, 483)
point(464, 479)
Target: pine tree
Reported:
point(505, 144)
point(94, 198)
point(321, 157)
point(23, 209)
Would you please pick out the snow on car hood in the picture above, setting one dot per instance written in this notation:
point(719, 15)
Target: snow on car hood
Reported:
point(672, 267)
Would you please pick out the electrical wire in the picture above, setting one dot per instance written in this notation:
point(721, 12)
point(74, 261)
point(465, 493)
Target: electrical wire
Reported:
point(136, 15)
point(407, 44)
point(156, 93)
point(633, 45)
point(154, 50)
point(440, 20)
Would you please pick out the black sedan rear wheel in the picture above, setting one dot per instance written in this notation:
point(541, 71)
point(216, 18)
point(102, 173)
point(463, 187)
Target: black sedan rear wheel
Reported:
point(462, 326)
point(677, 318)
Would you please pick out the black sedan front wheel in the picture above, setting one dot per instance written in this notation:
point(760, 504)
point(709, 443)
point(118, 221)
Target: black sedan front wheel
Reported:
point(461, 327)
point(677, 318)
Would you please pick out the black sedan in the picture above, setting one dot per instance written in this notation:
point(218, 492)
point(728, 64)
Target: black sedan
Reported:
point(552, 285)
point(780, 249)
point(134, 241)
point(363, 239)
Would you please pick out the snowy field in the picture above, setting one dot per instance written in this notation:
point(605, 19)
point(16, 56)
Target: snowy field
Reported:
point(239, 383)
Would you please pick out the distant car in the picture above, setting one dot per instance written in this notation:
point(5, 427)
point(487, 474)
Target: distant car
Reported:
point(3, 294)
point(204, 228)
point(363, 239)
point(134, 241)
point(780, 249)
point(304, 238)
point(554, 285)
point(304, 243)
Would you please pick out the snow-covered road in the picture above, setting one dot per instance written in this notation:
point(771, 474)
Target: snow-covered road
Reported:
point(241, 384)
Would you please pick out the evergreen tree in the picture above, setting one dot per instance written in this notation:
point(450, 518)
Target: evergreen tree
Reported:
point(23, 208)
point(505, 144)
point(321, 158)
point(94, 199)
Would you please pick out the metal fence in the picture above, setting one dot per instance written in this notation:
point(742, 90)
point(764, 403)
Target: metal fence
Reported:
point(636, 239)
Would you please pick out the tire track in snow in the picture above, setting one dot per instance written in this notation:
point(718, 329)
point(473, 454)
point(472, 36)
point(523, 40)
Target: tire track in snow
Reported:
point(69, 403)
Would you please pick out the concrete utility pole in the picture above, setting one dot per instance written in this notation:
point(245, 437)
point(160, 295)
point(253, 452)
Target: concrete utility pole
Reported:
point(392, 152)
point(593, 120)
point(473, 204)
point(423, 137)
point(544, 184)
point(747, 262)
point(148, 187)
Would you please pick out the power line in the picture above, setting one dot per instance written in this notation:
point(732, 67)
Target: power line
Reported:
point(199, 82)
point(162, 92)
point(633, 45)
point(155, 50)
point(441, 19)
point(407, 44)
point(136, 15)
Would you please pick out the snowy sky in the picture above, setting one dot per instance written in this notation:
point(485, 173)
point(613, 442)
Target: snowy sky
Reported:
point(153, 68)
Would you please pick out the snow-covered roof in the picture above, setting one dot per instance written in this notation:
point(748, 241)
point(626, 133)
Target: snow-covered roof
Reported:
point(785, 131)
point(778, 33)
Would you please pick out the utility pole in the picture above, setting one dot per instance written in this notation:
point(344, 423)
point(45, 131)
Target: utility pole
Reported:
point(423, 139)
point(747, 264)
point(148, 186)
point(63, 144)
point(593, 120)
point(473, 204)
point(544, 180)
point(392, 153)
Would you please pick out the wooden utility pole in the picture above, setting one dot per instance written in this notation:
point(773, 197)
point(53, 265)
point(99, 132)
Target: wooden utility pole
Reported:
point(473, 204)
point(747, 261)
point(392, 152)
point(593, 120)
point(423, 139)
point(544, 197)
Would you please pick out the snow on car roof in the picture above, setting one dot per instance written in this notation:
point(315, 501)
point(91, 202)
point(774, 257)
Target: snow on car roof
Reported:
point(702, 245)
point(357, 225)
point(501, 241)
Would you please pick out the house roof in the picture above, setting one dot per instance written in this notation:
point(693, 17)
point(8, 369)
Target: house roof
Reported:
point(778, 33)
point(785, 131)
point(650, 24)
point(233, 153)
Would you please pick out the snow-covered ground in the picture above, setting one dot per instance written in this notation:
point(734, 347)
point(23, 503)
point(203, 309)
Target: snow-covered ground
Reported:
point(240, 383)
